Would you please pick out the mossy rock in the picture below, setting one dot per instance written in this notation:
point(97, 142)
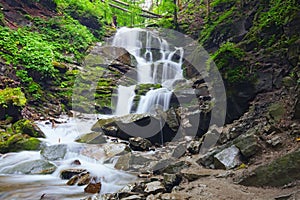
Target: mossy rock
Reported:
point(92, 138)
point(25, 126)
point(18, 142)
point(277, 173)
point(276, 111)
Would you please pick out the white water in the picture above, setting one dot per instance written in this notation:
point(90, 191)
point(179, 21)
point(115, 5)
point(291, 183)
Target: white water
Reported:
point(23, 187)
point(125, 99)
point(163, 70)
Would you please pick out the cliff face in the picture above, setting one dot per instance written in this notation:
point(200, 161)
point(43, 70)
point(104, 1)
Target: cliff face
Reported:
point(255, 44)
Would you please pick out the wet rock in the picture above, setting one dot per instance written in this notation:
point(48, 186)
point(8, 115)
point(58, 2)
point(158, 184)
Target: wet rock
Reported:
point(139, 144)
point(277, 173)
point(154, 187)
point(93, 187)
point(76, 162)
point(228, 158)
point(54, 152)
point(247, 144)
point(194, 147)
point(73, 180)
point(116, 149)
point(136, 125)
point(171, 180)
point(18, 142)
point(84, 179)
point(25, 126)
point(93, 151)
point(31, 167)
point(92, 138)
point(69, 173)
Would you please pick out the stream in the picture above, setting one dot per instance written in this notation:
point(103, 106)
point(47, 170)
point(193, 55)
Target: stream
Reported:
point(23, 187)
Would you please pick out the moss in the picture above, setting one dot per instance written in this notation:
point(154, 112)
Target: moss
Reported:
point(209, 27)
point(25, 126)
point(12, 96)
point(229, 59)
point(18, 142)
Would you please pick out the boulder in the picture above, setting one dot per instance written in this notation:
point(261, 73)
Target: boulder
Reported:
point(228, 158)
point(131, 161)
point(139, 144)
point(31, 167)
point(277, 173)
point(116, 149)
point(54, 152)
point(69, 173)
point(169, 166)
point(154, 187)
point(26, 126)
point(151, 127)
point(247, 144)
point(93, 187)
point(92, 138)
point(18, 142)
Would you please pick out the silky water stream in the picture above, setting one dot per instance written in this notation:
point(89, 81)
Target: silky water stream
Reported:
point(30, 187)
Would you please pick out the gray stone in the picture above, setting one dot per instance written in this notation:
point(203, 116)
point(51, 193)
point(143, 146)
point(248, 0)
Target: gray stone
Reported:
point(31, 167)
point(92, 138)
point(54, 152)
point(207, 159)
point(116, 149)
point(154, 187)
point(139, 144)
point(228, 158)
point(247, 144)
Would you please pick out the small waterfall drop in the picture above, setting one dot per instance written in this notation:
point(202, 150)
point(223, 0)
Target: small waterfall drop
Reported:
point(125, 99)
point(157, 62)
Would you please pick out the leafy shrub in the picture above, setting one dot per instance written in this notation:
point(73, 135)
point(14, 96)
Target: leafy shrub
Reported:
point(12, 96)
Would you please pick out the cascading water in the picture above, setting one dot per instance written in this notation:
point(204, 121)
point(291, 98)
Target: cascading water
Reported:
point(143, 45)
point(21, 186)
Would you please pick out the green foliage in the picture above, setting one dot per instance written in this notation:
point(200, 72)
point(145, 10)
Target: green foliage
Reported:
point(218, 2)
point(229, 61)
point(12, 96)
point(280, 12)
point(209, 27)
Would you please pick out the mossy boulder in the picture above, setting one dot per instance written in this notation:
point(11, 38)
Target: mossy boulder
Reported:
point(278, 173)
point(26, 126)
point(10, 142)
point(11, 102)
point(92, 138)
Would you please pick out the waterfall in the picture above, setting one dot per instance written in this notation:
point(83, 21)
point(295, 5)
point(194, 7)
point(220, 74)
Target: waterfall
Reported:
point(125, 99)
point(164, 69)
